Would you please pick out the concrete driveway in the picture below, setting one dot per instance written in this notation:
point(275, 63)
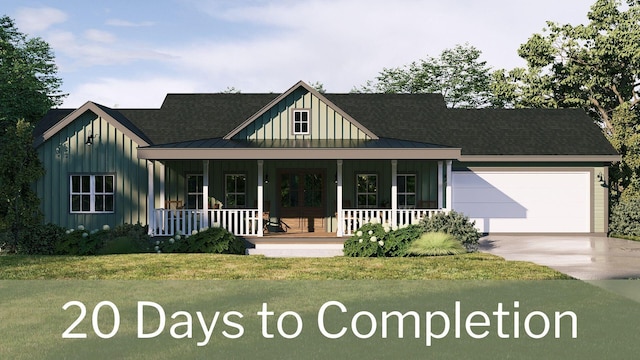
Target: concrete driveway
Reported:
point(583, 257)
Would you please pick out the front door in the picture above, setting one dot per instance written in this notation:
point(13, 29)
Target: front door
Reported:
point(302, 200)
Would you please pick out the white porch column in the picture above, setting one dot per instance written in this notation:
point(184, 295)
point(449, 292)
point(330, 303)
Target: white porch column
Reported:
point(161, 173)
point(339, 219)
point(260, 197)
point(394, 193)
point(449, 199)
point(205, 193)
point(440, 182)
point(151, 198)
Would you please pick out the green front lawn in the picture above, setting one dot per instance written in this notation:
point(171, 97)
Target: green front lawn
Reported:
point(225, 267)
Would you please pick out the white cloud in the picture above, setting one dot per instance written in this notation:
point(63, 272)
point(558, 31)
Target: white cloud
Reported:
point(34, 20)
point(125, 23)
point(339, 43)
point(128, 93)
point(98, 48)
point(100, 36)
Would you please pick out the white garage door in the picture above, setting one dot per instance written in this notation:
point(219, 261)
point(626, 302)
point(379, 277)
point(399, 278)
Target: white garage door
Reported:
point(524, 201)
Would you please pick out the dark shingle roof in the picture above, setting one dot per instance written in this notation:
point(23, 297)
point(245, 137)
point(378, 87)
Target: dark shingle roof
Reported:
point(419, 118)
point(185, 117)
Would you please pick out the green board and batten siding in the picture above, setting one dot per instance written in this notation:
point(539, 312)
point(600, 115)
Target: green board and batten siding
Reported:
point(326, 123)
point(112, 152)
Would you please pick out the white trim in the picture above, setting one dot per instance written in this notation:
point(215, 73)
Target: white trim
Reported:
point(205, 189)
point(394, 190)
point(92, 193)
point(151, 198)
point(161, 170)
point(93, 107)
point(440, 183)
point(260, 196)
point(339, 216)
point(448, 193)
point(301, 122)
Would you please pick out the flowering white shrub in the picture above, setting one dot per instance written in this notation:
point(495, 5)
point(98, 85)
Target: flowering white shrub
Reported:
point(80, 227)
point(106, 227)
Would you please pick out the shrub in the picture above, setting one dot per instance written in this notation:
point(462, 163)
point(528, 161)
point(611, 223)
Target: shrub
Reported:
point(138, 237)
point(399, 240)
point(41, 240)
point(368, 241)
point(376, 240)
point(455, 224)
point(625, 218)
point(214, 240)
point(435, 244)
point(82, 242)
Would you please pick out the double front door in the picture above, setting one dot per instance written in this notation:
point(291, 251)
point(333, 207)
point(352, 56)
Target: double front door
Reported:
point(302, 199)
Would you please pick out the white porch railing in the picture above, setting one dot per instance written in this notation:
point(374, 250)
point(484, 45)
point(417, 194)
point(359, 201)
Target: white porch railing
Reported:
point(353, 219)
point(240, 222)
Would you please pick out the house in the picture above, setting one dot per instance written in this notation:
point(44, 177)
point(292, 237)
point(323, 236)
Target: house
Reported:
point(302, 161)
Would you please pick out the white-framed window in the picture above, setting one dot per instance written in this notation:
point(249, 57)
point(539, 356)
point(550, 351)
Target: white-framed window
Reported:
point(92, 193)
point(301, 122)
point(367, 190)
point(406, 191)
point(194, 191)
point(235, 190)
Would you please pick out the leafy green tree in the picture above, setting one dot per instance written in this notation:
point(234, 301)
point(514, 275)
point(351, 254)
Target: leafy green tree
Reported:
point(28, 88)
point(28, 82)
point(457, 74)
point(595, 66)
point(19, 169)
point(318, 86)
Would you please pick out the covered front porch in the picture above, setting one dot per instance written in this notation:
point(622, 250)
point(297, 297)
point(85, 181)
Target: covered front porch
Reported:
point(299, 198)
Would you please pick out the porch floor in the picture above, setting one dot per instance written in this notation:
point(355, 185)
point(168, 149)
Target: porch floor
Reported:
point(316, 244)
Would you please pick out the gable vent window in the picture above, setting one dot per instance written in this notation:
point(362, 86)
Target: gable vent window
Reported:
point(301, 122)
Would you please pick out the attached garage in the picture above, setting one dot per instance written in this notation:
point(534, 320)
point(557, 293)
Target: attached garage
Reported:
point(525, 201)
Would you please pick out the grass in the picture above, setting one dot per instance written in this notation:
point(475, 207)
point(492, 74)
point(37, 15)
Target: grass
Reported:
point(226, 267)
point(436, 244)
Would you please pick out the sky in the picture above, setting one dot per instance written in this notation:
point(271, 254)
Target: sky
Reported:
point(130, 54)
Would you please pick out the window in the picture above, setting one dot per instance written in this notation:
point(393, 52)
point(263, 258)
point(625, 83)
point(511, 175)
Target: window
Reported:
point(194, 191)
point(92, 193)
point(236, 190)
point(407, 191)
point(301, 122)
point(367, 190)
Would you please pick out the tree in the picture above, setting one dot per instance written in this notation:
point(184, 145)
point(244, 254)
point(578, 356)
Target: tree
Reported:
point(28, 82)
point(19, 169)
point(457, 74)
point(28, 88)
point(318, 86)
point(595, 66)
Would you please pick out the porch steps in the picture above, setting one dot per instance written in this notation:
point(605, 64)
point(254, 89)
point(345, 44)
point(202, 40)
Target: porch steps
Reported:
point(296, 246)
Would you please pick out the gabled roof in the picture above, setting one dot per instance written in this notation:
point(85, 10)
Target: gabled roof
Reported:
point(57, 119)
point(313, 91)
point(209, 121)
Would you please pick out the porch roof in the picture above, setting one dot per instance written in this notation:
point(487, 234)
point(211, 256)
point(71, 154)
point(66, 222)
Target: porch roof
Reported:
point(220, 148)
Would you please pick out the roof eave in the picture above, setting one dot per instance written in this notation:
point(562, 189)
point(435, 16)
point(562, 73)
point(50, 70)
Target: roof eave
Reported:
point(541, 158)
point(299, 153)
